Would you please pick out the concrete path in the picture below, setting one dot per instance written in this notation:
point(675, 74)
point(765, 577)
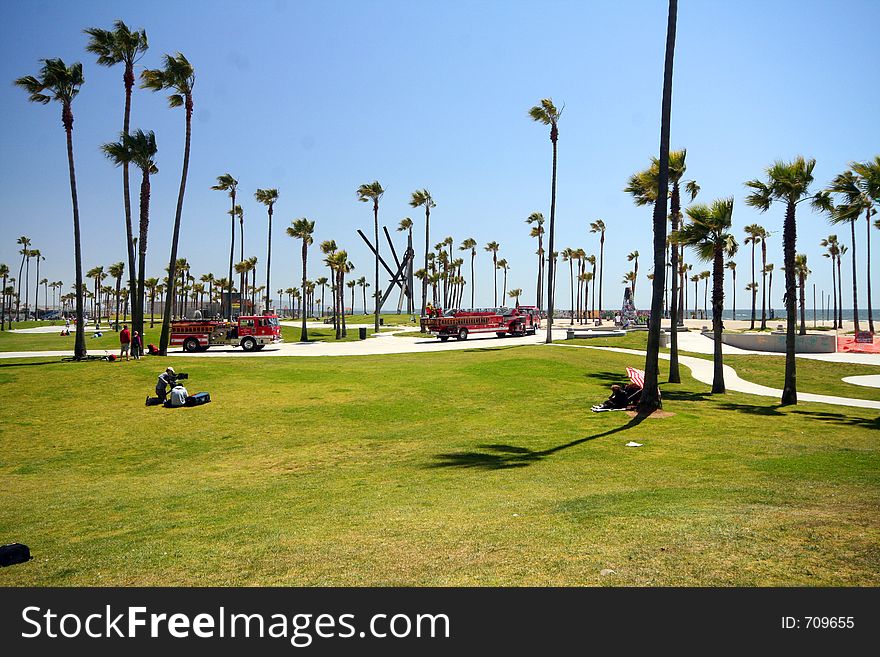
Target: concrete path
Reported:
point(869, 380)
point(703, 371)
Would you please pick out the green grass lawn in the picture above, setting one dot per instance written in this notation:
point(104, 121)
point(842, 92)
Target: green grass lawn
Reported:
point(470, 467)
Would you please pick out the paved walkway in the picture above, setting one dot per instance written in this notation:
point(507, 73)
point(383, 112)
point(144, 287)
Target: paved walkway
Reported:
point(869, 380)
point(703, 370)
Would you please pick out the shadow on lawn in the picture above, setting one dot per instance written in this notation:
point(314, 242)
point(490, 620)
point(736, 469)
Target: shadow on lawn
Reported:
point(512, 456)
point(822, 416)
point(42, 362)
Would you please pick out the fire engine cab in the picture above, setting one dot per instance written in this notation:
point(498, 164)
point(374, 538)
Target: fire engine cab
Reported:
point(250, 332)
point(500, 321)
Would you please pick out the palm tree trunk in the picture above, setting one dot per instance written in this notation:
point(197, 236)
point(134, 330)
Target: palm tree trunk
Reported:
point(304, 332)
point(571, 285)
point(551, 264)
point(601, 266)
point(834, 290)
point(137, 325)
point(540, 290)
point(79, 349)
point(801, 283)
point(870, 310)
point(376, 271)
point(118, 299)
point(650, 399)
point(839, 292)
point(789, 236)
point(754, 288)
point(763, 284)
point(269, 262)
point(137, 304)
point(852, 226)
point(169, 294)
point(717, 311)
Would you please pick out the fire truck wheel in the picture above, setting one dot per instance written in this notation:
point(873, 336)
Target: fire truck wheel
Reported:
point(249, 344)
point(260, 347)
point(462, 334)
point(191, 344)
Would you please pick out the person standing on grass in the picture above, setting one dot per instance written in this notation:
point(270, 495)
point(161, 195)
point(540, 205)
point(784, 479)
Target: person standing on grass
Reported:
point(124, 341)
point(137, 346)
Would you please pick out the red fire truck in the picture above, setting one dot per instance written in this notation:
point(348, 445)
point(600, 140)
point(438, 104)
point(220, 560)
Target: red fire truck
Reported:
point(500, 321)
point(250, 332)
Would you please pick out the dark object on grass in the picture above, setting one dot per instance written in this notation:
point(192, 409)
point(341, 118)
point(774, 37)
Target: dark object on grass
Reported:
point(198, 399)
point(153, 401)
point(152, 350)
point(14, 553)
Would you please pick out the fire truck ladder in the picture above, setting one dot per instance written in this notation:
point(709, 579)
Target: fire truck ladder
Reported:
point(403, 277)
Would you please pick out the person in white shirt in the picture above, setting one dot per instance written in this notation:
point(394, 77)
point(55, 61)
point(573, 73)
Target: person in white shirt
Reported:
point(178, 396)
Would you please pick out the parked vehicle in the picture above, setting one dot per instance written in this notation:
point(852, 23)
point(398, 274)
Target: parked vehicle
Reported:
point(250, 332)
point(500, 321)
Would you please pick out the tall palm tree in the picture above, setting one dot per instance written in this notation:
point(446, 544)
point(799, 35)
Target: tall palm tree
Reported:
point(350, 285)
point(97, 275)
point(151, 286)
point(61, 83)
point(178, 77)
point(502, 265)
point(547, 113)
point(841, 251)
point(423, 198)
point(764, 291)
point(868, 174)
point(634, 258)
point(226, 183)
point(406, 224)
point(515, 294)
point(362, 282)
point(322, 281)
point(591, 260)
point(536, 220)
point(704, 276)
point(138, 149)
point(209, 279)
point(121, 45)
point(851, 191)
point(755, 235)
point(629, 279)
point(788, 183)
point(832, 252)
point(25, 252)
point(598, 226)
point(802, 271)
point(709, 235)
point(303, 229)
point(470, 244)
point(768, 272)
point(37, 256)
point(568, 255)
point(117, 270)
point(731, 265)
point(268, 197)
point(371, 193)
point(4, 274)
point(492, 247)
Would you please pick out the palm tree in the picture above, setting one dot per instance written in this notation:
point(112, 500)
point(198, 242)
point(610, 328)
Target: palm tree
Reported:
point(868, 174)
point(323, 282)
point(591, 260)
point(802, 271)
point(502, 265)
point(598, 226)
point(731, 265)
point(406, 224)
point(362, 282)
point(303, 229)
point(634, 257)
point(787, 182)
point(210, 280)
point(765, 293)
point(470, 244)
point(25, 252)
point(151, 285)
point(117, 270)
point(536, 220)
point(138, 149)
point(419, 198)
point(852, 191)
point(37, 256)
point(832, 252)
point(351, 285)
point(755, 236)
point(568, 255)
point(709, 235)
point(492, 247)
point(4, 273)
point(226, 183)
point(695, 279)
point(515, 294)
point(97, 275)
point(841, 251)
point(372, 192)
point(122, 46)
point(545, 112)
point(61, 83)
point(768, 272)
point(178, 77)
point(704, 276)
point(268, 197)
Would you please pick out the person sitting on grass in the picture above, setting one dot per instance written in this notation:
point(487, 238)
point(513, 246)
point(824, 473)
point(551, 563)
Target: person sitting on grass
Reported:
point(178, 398)
point(616, 400)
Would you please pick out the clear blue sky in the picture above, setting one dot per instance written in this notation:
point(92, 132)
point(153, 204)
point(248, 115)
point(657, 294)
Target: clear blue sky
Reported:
point(316, 98)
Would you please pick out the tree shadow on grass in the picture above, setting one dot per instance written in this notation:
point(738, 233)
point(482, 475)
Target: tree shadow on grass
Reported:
point(686, 395)
point(839, 419)
point(503, 457)
point(607, 376)
point(44, 362)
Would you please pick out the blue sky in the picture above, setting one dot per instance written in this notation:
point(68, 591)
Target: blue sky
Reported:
point(316, 98)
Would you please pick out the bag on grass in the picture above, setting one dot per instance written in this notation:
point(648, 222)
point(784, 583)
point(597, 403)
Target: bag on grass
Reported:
point(14, 553)
point(198, 399)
